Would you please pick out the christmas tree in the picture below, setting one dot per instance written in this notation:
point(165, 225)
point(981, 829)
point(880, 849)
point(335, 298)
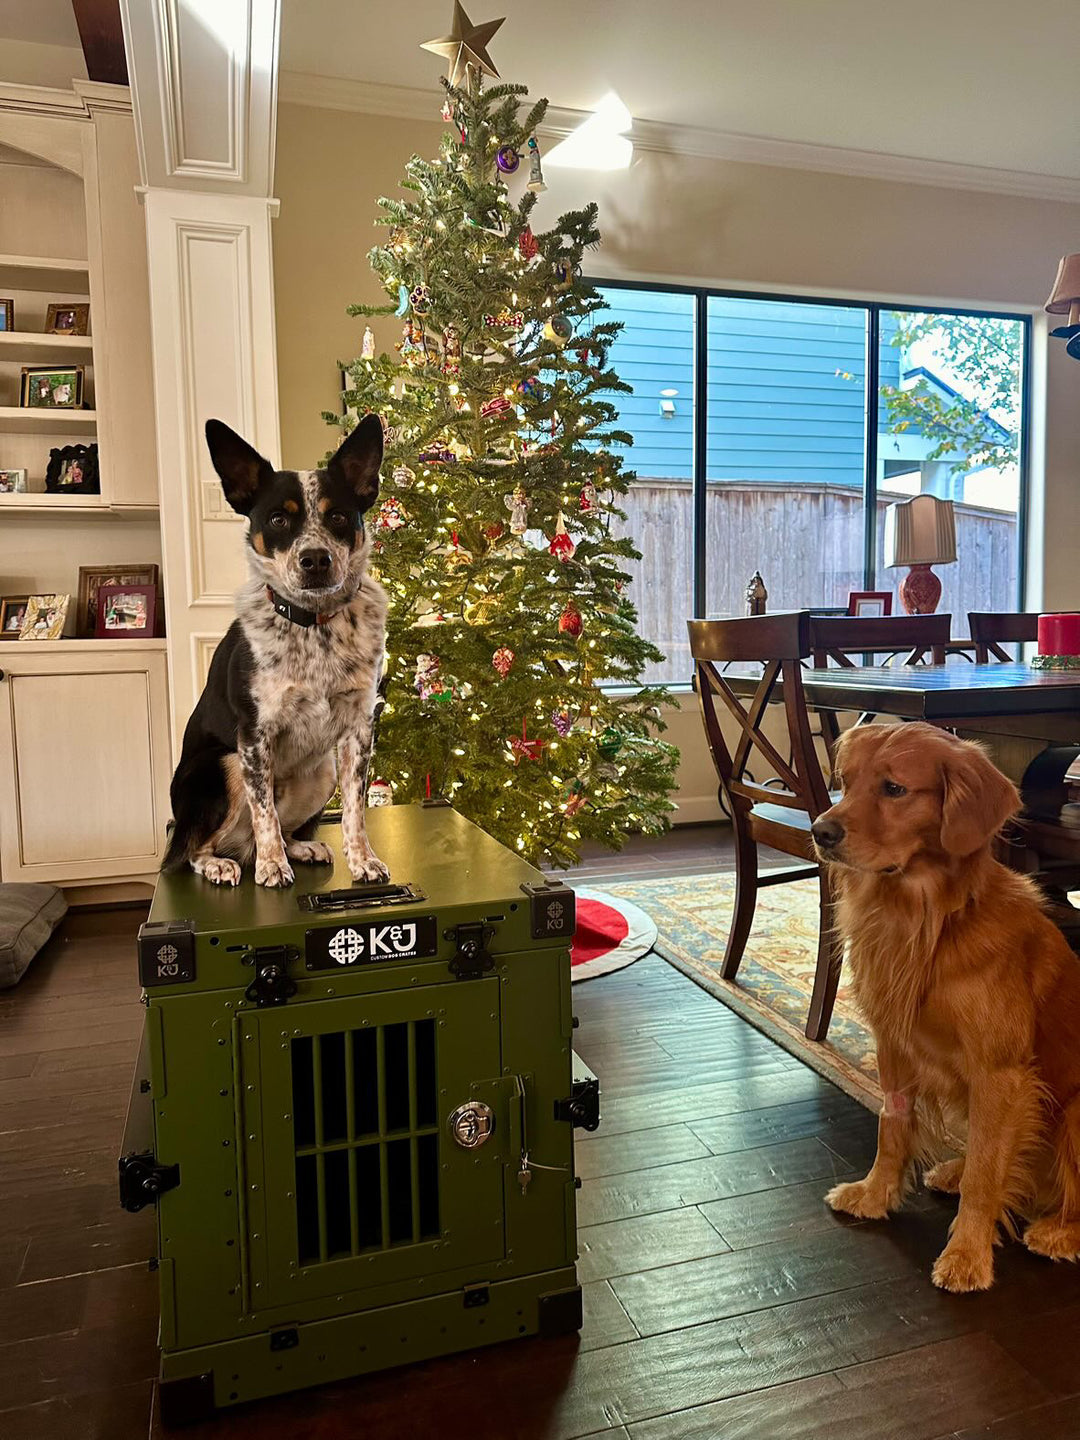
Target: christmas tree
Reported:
point(500, 482)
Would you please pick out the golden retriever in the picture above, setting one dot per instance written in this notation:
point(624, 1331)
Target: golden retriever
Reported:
point(972, 993)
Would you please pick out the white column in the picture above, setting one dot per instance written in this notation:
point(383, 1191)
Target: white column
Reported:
point(203, 80)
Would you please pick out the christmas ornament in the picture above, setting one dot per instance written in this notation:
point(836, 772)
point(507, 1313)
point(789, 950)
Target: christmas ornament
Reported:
point(465, 47)
point(391, 515)
point(456, 553)
point(502, 660)
point(451, 361)
point(570, 622)
point(413, 344)
point(575, 801)
point(523, 747)
point(528, 245)
point(437, 456)
point(588, 498)
point(610, 743)
point(566, 274)
point(505, 320)
point(519, 505)
point(403, 477)
point(367, 345)
point(507, 159)
point(402, 300)
point(447, 111)
point(562, 722)
point(557, 329)
point(497, 405)
point(389, 433)
point(561, 544)
point(426, 679)
point(536, 175)
point(380, 792)
point(420, 299)
point(527, 386)
point(493, 532)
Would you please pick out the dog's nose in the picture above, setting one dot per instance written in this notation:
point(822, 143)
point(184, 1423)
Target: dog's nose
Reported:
point(827, 833)
point(315, 562)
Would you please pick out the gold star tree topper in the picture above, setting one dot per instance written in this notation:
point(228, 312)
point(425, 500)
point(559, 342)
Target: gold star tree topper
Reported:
point(465, 45)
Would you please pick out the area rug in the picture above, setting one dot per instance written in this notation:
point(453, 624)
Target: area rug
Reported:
point(776, 977)
point(612, 932)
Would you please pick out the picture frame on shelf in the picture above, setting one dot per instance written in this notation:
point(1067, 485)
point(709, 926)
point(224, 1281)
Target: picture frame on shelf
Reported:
point(73, 470)
point(92, 578)
point(12, 615)
point(7, 315)
point(870, 604)
point(126, 612)
point(64, 318)
point(13, 482)
point(45, 617)
point(47, 387)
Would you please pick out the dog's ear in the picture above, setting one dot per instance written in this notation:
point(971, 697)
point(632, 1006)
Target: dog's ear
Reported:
point(357, 461)
point(242, 468)
point(978, 799)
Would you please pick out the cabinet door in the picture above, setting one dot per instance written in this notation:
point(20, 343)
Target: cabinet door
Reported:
point(83, 765)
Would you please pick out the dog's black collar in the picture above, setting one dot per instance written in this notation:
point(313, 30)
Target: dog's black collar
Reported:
point(296, 613)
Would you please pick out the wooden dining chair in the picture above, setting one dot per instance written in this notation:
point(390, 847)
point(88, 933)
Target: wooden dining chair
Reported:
point(909, 639)
point(761, 816)
point(990, 630)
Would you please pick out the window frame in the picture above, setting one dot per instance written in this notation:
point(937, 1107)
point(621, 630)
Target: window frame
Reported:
point(701, 295)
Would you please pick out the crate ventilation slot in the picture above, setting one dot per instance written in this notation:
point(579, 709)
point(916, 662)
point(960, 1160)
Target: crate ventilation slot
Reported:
point(365, 1127)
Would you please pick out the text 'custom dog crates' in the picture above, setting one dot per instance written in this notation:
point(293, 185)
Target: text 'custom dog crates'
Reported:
point(354, 1111)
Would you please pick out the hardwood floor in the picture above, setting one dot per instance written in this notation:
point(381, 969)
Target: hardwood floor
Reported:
point(722, 1298)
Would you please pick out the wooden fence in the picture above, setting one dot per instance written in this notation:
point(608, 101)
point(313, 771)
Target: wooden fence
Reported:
point(807, 541)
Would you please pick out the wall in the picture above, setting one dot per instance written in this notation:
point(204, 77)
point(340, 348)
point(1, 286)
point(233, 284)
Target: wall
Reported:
point(680, 217)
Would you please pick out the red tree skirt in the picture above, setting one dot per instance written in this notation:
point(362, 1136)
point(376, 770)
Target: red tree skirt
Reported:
point(611, 933)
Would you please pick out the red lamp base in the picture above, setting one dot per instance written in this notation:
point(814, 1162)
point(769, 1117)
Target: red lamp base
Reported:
point(920, 591)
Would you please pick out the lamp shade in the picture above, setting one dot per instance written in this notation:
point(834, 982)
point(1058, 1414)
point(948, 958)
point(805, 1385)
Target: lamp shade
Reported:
point(1066, 291)
point(920, 531)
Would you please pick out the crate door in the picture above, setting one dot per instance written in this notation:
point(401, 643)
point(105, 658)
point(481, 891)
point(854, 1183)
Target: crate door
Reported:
point(364, 1185)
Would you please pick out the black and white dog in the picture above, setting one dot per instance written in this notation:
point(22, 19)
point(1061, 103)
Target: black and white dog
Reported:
point(295, 678)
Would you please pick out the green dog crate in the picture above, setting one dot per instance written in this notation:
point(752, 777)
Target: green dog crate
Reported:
point(354, 1110)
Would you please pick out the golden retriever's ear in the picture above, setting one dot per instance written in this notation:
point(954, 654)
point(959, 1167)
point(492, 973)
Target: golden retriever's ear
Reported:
point(978, 800)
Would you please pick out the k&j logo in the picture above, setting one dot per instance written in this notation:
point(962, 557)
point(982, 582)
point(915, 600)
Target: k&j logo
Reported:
point(346, 946)
point(167, 961)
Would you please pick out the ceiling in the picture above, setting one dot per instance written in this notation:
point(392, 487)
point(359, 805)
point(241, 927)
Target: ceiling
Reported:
point(39, 22)
point(977, 82)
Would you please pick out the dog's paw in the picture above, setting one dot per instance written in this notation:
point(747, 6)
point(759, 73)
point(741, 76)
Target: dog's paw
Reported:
point(945, 1177)
point(275, 873)
point(218, 871)
point(1054, 1238)
point(366, 867)
point(859, 1198)
point(309, 852)
point(962, 1268)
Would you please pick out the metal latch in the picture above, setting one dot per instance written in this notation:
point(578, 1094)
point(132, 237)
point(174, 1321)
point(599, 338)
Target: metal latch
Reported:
point(474, 1295)
point(582, 1107)
point(142, 1180)
point(473, 957)
point(272, 984)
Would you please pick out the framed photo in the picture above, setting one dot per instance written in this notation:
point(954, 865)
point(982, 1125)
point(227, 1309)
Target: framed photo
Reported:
point(126, 612)
point(73, 470)
point(12, 482)
point(7, 314)
point(870, 604)
point(46, 388)
point(45, 617)
point(12, 615)
point(92, 578)
point(66, 319)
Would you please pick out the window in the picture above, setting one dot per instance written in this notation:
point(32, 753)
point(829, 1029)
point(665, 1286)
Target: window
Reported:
point(757, 447)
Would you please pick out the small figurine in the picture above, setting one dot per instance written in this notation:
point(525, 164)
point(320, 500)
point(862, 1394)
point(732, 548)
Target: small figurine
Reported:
point(589, 497)
point(367, 348)
point(519, 506)
point(536, 174)
point(451, 362)
point(756, 595)
point(427, 675)
point(380, 792)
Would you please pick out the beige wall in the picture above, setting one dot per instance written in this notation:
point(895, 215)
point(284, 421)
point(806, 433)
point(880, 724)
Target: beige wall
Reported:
point(687, 218)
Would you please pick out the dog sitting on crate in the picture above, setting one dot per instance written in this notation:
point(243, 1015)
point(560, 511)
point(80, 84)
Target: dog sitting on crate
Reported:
point(294, 681)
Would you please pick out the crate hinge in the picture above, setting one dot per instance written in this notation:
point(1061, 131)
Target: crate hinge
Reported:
point(142, 1180)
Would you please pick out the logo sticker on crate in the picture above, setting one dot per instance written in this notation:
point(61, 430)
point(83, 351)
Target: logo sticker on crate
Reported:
point(338, 947)
point(166, 953)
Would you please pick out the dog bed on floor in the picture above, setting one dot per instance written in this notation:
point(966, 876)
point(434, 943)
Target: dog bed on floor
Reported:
point(611, 932)
point(28, 916)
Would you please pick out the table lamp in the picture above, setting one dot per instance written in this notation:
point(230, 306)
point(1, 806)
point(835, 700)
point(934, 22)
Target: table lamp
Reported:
point(920, 532)
point(1065, 300)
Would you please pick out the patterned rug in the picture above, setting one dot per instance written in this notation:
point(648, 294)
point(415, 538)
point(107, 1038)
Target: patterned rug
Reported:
point(772, 992)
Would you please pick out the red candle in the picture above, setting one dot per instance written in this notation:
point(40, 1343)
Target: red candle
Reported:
point(1059, 634)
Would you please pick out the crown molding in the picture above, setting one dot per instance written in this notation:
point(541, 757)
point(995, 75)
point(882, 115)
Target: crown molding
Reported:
point(402, 102)
point(79, 103)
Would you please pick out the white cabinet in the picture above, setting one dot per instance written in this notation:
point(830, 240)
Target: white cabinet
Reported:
point(84, 760)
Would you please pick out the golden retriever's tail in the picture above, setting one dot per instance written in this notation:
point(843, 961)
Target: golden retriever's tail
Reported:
point(1067, 1159)
point(1029, 1123)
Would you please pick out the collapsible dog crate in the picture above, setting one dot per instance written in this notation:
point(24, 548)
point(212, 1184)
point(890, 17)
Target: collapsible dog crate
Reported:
point(354, 1110)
